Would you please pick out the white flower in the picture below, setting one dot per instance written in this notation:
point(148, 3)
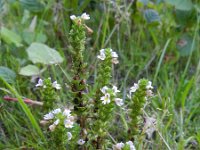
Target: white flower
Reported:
point(149, 85)
point(71, 118)
point(134, 88)
point(104, 89)
point(72, 17)
point(68, 123)
point(115, 61)
point(69, 135)
point(56, 122)
point(115, 90)
point(67, 112)
point(114, 55)
point(56, 85)
point(49, 116)
point(106, 99)
point(149, 93)
point(85, 16)
point(118, 146)
point(56, 111)
point(81, 142)
point(52, 127)
point(119, 101)
point(130, 143)
point(40, 83)
point(102, 55)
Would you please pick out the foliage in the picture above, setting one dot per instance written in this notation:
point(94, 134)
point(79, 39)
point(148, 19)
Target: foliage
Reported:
point(155, 39)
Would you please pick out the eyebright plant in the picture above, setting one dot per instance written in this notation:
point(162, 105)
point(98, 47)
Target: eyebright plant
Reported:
point(138, 94)
point(48, 92)
point(87, 124)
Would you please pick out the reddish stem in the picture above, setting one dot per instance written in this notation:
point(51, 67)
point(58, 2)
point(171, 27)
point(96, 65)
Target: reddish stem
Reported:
point(26, 100)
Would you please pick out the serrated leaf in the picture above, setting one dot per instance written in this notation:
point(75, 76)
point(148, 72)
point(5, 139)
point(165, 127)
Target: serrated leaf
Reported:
point(10, 37)
point(184, 45)
point(181, 4)
point(29, 70)
point(32, 5)
point(7, 74)
point(41, 53)
point(151, 15)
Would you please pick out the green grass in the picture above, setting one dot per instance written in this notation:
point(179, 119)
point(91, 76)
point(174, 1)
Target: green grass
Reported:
point(145, 50)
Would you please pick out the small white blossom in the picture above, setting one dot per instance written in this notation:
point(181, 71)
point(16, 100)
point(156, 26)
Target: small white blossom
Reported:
point(119, 101)
point(52, 127)
point(115, 90)
point(40, 83)
point(118, 146)
point(114, 55)
point(57, 122)
point(68, 123)
point(67, 112)
point(81, 142)
point(130, 143)
point(102, 55)
point(56, 85)
point(69, 135)
point(104, 89)
point(73, 17)
point(49, 116)
point(71, 118)
point(106, 98)
point(149, 93)
point(134, 88)
point(149, 85)
point(115, 61)
point(56, 111)
point(85, 16)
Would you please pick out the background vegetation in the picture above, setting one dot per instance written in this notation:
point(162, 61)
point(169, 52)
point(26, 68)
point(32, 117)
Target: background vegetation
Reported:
point(156, 39)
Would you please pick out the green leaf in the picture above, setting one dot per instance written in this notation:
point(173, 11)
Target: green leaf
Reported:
point(181, 4)
point(151, 16)
point(184, 45)
point(29, 70)
point(41, 37)
point(10, 37)
point(28, 37)
point(41, 53)
point(32, 5)
point(7, 74)
point(185, 18)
